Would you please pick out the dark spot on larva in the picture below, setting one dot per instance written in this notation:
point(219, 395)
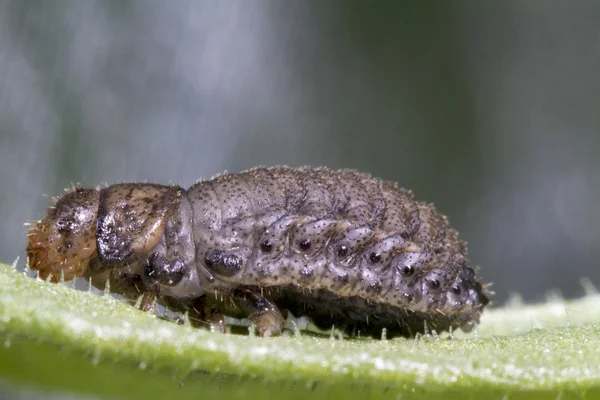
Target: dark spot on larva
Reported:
point(266, 246)
point(222, 263)
point(434, 283)
point(456, 289)
point(305, 244)
point(342, 251)
point(374, 258)
point(408, 270)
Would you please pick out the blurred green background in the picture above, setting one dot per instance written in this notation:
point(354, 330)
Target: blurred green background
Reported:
point(491, 110)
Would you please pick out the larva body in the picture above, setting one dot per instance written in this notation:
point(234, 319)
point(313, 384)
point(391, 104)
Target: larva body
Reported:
point(340, 247)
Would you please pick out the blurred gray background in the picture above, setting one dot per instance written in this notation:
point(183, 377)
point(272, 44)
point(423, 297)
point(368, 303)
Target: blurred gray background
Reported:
point(489, 110)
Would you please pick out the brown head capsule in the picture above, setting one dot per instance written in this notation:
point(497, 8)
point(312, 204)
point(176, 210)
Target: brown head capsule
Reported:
point(65, 240)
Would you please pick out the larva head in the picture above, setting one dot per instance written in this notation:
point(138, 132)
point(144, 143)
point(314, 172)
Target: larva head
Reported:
point(65, 240)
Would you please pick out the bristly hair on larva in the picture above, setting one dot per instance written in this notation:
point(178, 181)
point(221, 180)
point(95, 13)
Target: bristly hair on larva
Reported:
point(338, 246)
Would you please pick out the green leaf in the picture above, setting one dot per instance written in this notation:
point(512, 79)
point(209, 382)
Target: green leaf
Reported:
point(56, 338)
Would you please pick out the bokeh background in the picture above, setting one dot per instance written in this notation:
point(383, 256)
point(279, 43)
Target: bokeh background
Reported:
point(491, 110)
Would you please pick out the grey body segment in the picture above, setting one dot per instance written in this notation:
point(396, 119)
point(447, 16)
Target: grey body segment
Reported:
point(340, 231)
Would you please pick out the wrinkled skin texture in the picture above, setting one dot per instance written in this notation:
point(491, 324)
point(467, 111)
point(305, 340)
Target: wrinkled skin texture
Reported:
point(340, 247)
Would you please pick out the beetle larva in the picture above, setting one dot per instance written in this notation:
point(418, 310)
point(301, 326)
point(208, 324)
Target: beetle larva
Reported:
point(341, 247)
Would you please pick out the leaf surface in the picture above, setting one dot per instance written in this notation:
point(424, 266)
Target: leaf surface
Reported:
point(53, 337)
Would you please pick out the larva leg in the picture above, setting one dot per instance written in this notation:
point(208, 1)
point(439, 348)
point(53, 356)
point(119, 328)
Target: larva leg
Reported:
point(148, 299)
point(217, 321)
point(260, 311)
point(206, 311)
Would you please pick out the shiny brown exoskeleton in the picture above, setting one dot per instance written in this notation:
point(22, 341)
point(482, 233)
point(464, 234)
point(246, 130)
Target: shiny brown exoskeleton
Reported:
point(341, 247)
